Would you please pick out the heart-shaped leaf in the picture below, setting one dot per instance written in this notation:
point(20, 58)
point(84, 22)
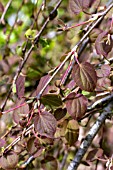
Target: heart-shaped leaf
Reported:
point(45, 124)
point(85, 76)
point(76, 105)
point(72, 132)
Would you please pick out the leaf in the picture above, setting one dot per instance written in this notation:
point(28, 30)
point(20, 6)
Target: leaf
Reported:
point(51, 100)
point(85, 76)
point(45, 124)
point(104, 71)
point(42, 82)
point(31, 146)
point(103, 83)
point(94, 34)
point(76, 105)
point(60, 113)
point(77, 6)
point(72, 132)
point(9, 161)
point(94, 154)
point(21, 112)
point(103, 44)
point(30, 34)
point(20, 86)
point(44, 42)
point(1, 7)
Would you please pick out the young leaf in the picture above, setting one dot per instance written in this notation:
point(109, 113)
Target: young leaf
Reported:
point(45, 124)
point(30, 34)
point(103, 44)
point(20, 86)
point(76, 105)
point(85, 76)
point(72, 132)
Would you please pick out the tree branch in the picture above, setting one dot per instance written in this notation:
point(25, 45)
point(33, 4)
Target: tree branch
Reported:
point(107, 111)
point(5, 10)
point(95, 23)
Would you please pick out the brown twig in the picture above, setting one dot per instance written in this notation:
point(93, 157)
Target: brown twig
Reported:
point(5, 10)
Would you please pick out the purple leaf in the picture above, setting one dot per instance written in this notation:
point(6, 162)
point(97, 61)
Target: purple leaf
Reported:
point(45, 124)
point(20, 86)
point(76, 6)
point(104, 71)
point(103, 44)
point(76, 105)
point(85, 76)
point(42, 82)
point(9, 161)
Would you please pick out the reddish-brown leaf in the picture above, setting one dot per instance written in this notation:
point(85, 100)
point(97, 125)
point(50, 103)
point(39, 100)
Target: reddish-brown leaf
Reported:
point(85, 76)
point(20, 86)
point(45, 124)
point(103, 84)
point(60, 113)
point(76, 105)
point(9, 161)
point(77, 6)
point(94, 154)
point(104, 71)
point(103, 43)
point(42, 82)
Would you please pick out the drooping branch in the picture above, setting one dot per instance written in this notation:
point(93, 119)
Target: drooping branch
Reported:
point(107, 111)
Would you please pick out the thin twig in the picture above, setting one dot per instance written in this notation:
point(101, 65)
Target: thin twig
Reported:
point(26, 132)
point(5, 10)
point(12, 28)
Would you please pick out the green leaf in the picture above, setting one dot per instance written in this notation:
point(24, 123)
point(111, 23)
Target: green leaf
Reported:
point(30, 34)
point(51, 100)
point(44, 42)
point(72, 132)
